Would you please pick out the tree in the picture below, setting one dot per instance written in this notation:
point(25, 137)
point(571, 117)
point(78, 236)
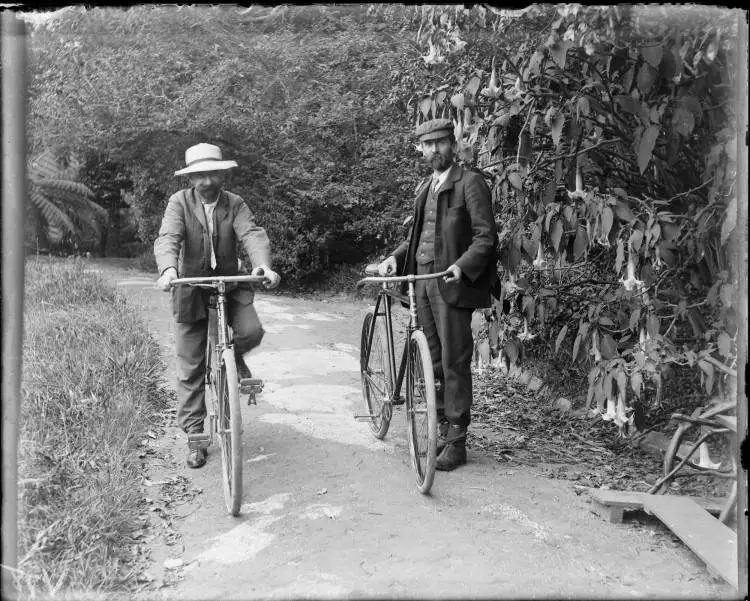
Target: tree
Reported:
point(608, 135)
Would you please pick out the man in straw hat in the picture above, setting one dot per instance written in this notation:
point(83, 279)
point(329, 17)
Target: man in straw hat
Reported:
point(198, 237)
point(453, 229)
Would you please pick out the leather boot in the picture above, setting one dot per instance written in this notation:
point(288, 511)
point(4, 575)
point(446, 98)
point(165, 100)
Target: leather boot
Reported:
point(454, 453)
point(442, 438)
point(196, 456)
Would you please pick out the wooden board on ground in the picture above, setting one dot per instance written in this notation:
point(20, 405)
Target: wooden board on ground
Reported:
point(611, 504)
point(707, 537)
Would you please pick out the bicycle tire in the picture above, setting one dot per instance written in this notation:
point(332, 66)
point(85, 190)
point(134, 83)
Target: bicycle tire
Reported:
point(230, 431)
point(376, 376)
point(421, 411)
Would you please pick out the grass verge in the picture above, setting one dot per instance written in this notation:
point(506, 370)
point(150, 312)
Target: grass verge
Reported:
point(91, 388)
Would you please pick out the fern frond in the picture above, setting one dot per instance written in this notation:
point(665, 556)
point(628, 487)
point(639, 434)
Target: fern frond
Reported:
point(66, 186)
point(52, 214)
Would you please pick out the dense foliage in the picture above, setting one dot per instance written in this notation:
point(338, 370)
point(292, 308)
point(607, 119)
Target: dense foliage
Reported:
point(306, 99)
point(610, 137)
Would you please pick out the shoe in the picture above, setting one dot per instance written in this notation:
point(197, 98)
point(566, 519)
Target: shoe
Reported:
point(196, 457)
point(454, 453)
point(242, 371)
point(442, 438)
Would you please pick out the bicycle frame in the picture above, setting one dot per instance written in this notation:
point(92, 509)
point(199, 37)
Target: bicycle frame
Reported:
point(384, 297)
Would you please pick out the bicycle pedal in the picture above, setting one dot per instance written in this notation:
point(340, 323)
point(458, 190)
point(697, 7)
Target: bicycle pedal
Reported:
point(251, 385)
point(199, 441)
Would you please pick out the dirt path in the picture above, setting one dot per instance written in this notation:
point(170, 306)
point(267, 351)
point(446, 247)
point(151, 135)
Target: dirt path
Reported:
point(331, 512)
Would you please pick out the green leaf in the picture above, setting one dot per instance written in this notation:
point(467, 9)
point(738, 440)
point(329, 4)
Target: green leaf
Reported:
point(559, 52)
point(556, 234)
point(724, 342)
point(607, 219)
point(576, 346)
point(731, 220)
point(620, 259)
point(645, 79)
point(511, 351)
point(581, 243)
point(515, 179)
point(708, 370)
point(646, 146)
point(635, 320)
point(622, 381)
point(424, 106)
point(560, 338)
point(636, 238)
point(652, 54)
point(556, 127)
point(683, 121)
point(623, 212)
point(608, 346)
point(668, 65)
point(636, 383)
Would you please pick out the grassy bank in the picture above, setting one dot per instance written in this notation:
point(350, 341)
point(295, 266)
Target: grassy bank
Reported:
point(91, 387)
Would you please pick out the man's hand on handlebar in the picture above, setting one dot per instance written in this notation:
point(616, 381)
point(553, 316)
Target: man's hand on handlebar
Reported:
point(456, 274)
point(387, 267)
point(272, 277)
point(164, 282)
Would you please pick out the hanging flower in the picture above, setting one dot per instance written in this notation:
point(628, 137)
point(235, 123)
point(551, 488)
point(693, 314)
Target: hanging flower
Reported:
point(610, 414)
point(526, 335)
point(433, 57)
point(631, 282)
point(539, 262)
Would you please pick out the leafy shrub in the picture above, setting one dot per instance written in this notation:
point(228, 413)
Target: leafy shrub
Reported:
point(308, 111)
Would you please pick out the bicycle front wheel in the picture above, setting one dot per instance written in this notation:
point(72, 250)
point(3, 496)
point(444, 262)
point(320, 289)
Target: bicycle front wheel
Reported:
point(421, 411)
point(230, 431)
point(376, 376)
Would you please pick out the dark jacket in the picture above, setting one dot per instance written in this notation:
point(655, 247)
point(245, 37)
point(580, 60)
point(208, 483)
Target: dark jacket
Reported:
point(183, 243)
point(465, 235)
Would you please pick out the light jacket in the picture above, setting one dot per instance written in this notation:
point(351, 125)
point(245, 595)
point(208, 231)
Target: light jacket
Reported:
point(183, 243)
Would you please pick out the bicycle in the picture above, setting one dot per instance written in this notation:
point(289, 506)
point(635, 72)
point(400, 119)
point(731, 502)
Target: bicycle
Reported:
point(223, 389)
point(715, 422)
point(381, 384)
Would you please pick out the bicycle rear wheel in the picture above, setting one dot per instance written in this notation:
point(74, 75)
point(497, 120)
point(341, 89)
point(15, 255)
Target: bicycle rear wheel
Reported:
point(376, 376)
point(421, 411)
point(230, 431)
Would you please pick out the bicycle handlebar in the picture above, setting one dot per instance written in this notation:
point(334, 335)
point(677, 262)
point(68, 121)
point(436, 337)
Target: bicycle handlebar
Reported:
point(401, 278)
point(211, 280)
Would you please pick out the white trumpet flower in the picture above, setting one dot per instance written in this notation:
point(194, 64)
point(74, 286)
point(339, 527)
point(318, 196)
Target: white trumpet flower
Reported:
point(631, 282)
point(539, 262)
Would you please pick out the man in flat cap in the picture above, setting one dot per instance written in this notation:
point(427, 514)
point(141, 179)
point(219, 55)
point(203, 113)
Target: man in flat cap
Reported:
point(198, 237)
point(453, 229)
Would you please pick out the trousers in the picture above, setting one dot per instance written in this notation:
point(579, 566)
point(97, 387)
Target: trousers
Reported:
point(190, 346)
point(448, 333)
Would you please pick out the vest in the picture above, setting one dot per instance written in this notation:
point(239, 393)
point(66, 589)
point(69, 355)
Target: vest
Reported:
point(426, 248)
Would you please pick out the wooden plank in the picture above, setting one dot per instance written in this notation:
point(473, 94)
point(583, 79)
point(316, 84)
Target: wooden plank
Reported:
point(614, 502)
point(707, 537)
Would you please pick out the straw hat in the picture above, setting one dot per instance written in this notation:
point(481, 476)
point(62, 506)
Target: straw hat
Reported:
point(204, 157)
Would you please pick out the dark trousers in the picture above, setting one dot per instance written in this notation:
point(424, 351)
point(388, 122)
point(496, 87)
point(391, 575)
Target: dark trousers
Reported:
point(448, 332)
point(190, 343)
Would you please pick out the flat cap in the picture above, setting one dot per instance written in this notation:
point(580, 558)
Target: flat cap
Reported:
point(434, 129)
